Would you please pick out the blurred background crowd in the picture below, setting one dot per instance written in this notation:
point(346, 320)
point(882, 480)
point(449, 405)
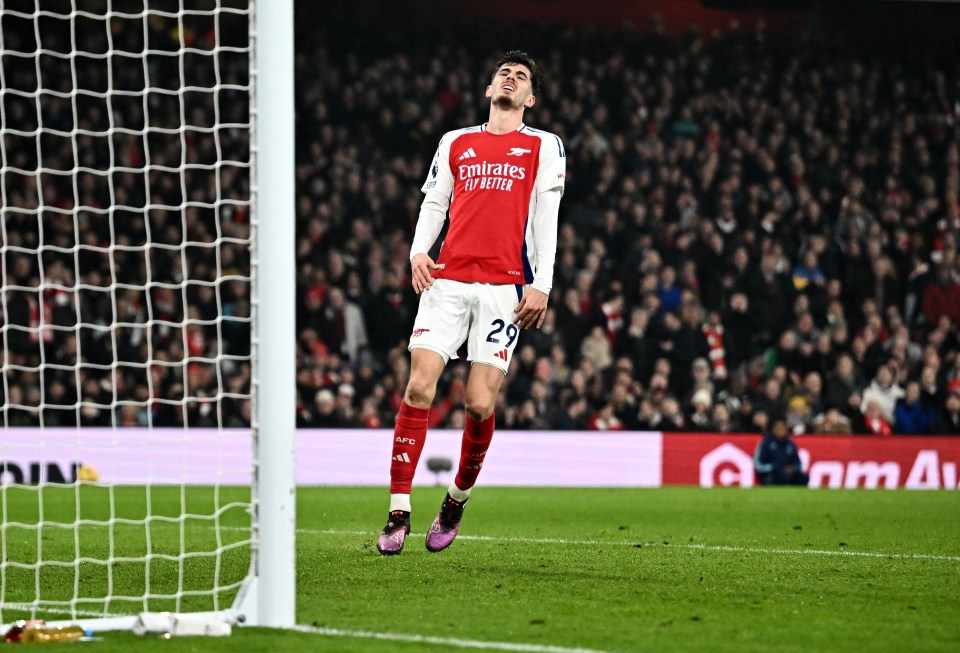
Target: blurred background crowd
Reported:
point(752, 228)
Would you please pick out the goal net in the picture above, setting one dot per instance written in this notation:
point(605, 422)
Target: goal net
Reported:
point(129, 267)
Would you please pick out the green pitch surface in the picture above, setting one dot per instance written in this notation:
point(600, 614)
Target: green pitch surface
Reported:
point(556, 570)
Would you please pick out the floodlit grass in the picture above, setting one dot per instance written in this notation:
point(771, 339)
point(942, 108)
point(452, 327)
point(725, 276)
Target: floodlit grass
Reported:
point(609, 570)
point(144, 547)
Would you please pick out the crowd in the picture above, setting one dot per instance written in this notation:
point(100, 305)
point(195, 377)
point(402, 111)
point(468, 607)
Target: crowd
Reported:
point(125, 228)
point(751, 230)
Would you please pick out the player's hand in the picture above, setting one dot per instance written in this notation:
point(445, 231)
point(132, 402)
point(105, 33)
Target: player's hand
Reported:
point(421, 266)
point(531, 310)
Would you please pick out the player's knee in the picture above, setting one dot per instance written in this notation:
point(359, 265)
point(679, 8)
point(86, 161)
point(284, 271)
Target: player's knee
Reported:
point(479, 408)
point(419, 392)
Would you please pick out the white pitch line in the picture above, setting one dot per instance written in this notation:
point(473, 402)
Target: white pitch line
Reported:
point(721, 547)
point(823, 552)
point(27, 607)
point(444, 641)
point(699, 547)
point(364, 634)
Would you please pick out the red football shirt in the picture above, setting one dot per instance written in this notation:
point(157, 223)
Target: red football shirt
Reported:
point(492, 182)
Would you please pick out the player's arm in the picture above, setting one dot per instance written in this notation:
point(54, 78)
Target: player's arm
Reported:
point(433, 212)
point(533, 306)
point(437, 190)
point(549, 188)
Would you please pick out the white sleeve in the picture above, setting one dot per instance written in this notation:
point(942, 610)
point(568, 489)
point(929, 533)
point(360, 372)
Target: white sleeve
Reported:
point(433, 212)
point(552, 171)
point(438, 189)
point(545, 237)
point(551, 176)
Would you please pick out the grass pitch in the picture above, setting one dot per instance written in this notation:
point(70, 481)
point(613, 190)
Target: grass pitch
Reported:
point(549, 570)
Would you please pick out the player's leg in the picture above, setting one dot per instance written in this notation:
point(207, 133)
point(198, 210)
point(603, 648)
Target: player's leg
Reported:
point(410, 431)
point(491, 343)
point(483, 384)
point(439, 329)
point(409, 436)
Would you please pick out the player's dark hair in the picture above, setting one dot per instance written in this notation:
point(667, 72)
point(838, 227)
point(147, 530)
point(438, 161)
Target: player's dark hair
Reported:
point(521, 57)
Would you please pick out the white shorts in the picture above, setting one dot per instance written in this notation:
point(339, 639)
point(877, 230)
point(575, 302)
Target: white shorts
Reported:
point(481, 314)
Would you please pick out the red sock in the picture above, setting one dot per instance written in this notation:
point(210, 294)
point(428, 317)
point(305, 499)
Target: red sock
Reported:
point(409, 435)
point(476, 440)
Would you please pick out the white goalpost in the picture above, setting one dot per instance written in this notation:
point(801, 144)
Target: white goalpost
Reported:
point(147, 304)
point(274, 486)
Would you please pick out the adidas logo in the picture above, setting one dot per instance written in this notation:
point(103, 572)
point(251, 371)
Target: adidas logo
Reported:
point(469, 154)
point(402, 457)
point(502, 355)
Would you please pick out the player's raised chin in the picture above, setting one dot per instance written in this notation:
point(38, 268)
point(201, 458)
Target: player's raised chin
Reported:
point(497, 99)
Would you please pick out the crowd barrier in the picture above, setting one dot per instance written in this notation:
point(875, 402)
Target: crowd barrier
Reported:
point(516, 458)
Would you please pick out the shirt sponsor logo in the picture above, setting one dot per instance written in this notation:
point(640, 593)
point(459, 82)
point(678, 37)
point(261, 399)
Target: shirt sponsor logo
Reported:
point(490, 176)
point(483, 169)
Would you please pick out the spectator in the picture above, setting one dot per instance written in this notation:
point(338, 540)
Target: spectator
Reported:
point(573, 415)
point(808, 272)
point(831, 422)
point(326, 415)
point(873, 421)
point(343, 326)
point(798, 415)
point(948, 421)
point(930, 389)
point(721, 420)
point(632, 341)
point(941, 297)
point(606, 419)
point(884, 282)
point(700, 372)
point(776, 459)
point(596, 348)
point(667, 290)
point(771, 295)
point(738, 331)
point(771, 401)
point(912, 415)
point(713, 333)
point(671, 419)
point(884, 391)
point(843, 386)
point(700, 415)
point(812, 392)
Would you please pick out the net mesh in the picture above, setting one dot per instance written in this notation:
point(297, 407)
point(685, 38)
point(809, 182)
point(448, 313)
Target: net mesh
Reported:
point(126, 278)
